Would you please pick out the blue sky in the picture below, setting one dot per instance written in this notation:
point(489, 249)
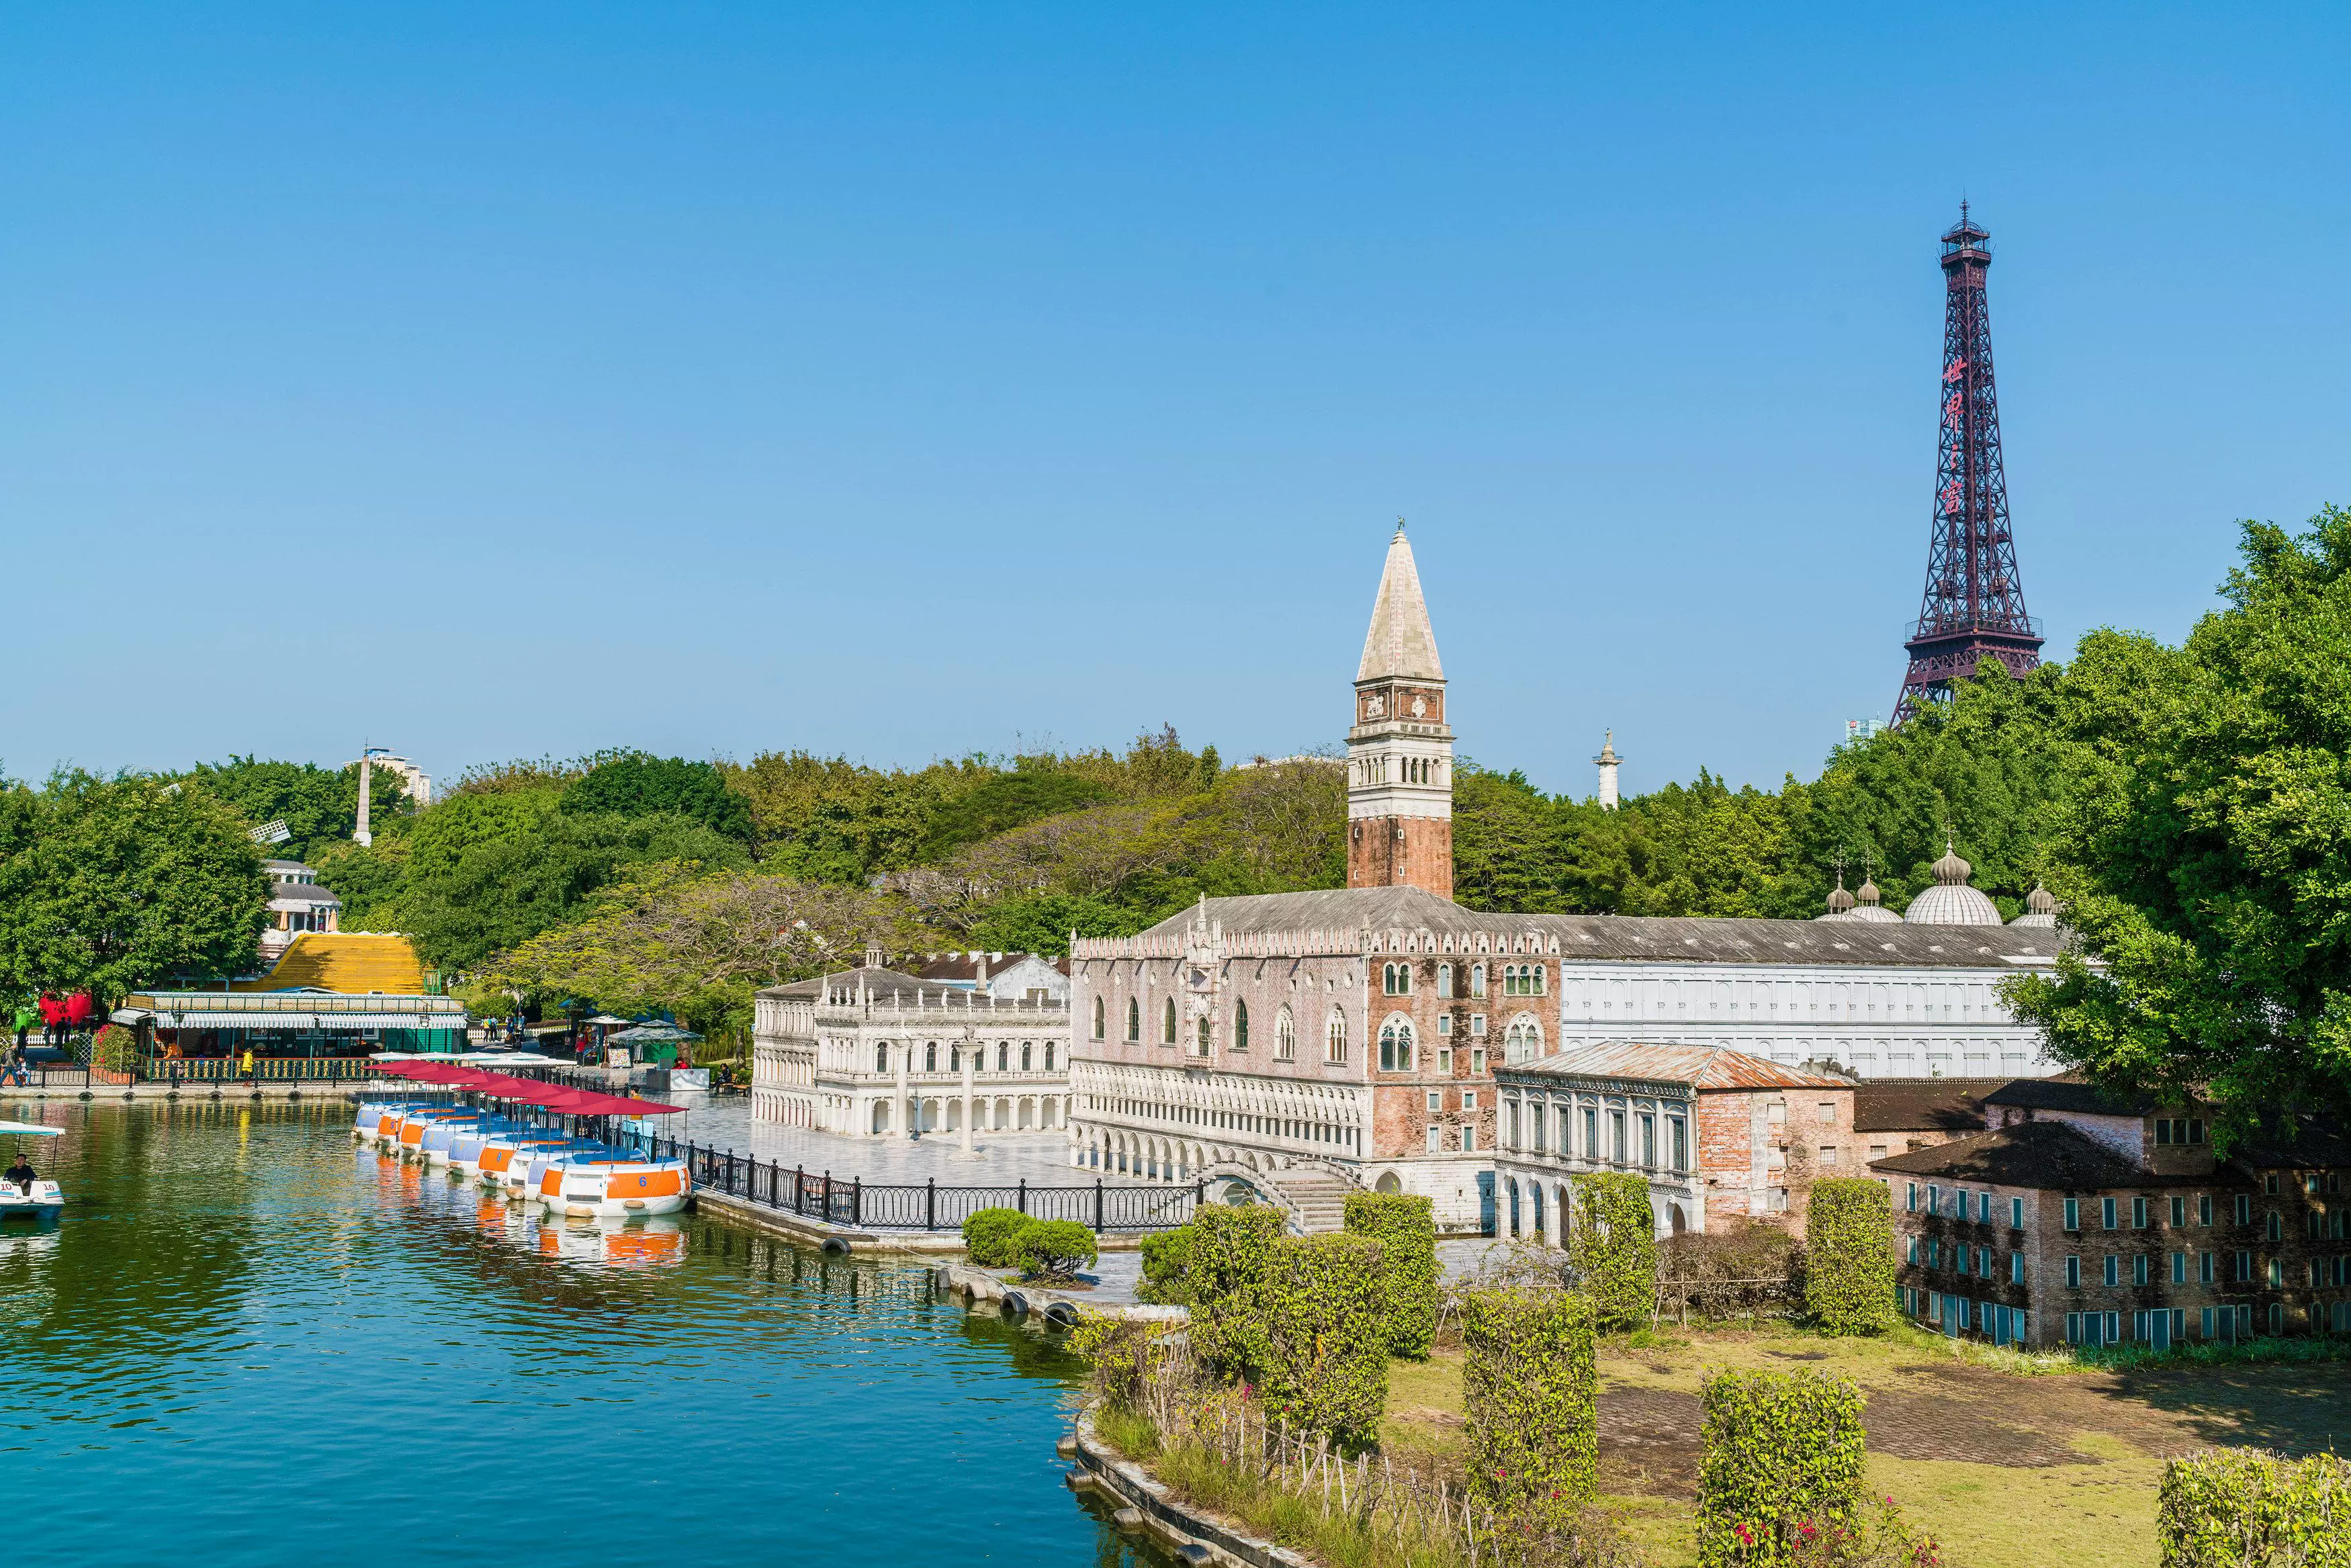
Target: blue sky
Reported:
point(493, 380)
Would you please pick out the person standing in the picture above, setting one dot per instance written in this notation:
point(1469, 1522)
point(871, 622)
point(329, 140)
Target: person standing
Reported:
point(246, 1064)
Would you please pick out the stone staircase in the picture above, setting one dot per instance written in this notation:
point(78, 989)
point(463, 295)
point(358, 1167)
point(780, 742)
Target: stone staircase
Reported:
point(1315, 1196)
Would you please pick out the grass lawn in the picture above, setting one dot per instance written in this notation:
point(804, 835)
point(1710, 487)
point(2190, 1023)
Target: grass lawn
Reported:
point(2011, 1462)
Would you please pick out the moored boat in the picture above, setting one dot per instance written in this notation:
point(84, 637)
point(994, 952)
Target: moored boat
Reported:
point(616, 1189)
point(35, 1199)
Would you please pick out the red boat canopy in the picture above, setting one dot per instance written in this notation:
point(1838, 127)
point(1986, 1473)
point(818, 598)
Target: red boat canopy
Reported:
point(499, 1085)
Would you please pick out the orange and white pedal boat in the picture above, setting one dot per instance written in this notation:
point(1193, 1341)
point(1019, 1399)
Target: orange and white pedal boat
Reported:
point(615, 1189)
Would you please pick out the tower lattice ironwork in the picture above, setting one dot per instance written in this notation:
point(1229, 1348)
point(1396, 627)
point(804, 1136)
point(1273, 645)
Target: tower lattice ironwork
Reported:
point(1973, 608)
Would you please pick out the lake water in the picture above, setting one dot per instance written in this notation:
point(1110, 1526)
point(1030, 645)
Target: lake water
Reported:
point(250, 1342)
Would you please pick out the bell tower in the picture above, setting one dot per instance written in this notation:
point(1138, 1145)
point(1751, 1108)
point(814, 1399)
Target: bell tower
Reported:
point(1400, 748)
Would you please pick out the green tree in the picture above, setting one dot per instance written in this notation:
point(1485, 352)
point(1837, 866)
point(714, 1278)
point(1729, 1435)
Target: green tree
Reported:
point(320, 806)
point(1006, 802)
point(112, 884)
point(1511, 843)
point(1041, 923)
point(631, 783)
point(2205, 843)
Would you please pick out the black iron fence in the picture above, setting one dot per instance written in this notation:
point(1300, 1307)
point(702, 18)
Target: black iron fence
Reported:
point(926, 1205)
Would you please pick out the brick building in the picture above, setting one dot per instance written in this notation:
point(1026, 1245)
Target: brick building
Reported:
point(2079, 1218)
point(1720, 1137)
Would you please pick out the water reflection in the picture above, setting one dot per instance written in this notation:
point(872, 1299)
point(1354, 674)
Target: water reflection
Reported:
point(248, 1337)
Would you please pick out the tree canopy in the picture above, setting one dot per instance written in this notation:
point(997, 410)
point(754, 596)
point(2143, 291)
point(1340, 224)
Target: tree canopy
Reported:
point(110, 884)
point(2204, 852)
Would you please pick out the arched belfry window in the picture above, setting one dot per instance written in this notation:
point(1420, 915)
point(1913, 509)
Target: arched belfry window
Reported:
point(1397, 1046)
point(1240, 1025)
point(1134, 1019)
point(1285, 1036)
point(1167, 1024)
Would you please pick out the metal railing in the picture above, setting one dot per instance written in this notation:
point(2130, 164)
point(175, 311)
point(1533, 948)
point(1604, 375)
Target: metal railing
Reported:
point(926, 1205)
point(177, 1070)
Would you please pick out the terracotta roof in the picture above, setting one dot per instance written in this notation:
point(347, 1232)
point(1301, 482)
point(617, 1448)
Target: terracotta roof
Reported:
point(2069, 1093)
point(2047, 1155)
point(1921, 1105)
point(1703, 1067)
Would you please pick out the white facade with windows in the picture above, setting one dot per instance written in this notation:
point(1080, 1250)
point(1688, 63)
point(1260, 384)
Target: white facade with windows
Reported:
point(872, 1053)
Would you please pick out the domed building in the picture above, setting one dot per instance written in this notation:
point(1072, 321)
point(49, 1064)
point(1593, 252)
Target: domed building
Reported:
point(2040, 908)
point(1951, 901)
point(1866, 905)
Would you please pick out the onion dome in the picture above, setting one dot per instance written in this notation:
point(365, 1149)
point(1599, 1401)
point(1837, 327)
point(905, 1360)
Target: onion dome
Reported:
point(1950, 901)
point(2040, 907)
point(1840, 903)
point(1866, 905)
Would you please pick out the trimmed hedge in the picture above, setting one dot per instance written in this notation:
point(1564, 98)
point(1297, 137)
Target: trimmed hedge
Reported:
point(1778, 1452)
point(1167, 1258)
point(2247, 1508)
point(1405, 1229)
point(1225, 1273)
point(1611, 1246)
point(1849, 1256)
point(987, 1237)
point(1528, 1380)
point(1325, 1364)
point(1053, 1249)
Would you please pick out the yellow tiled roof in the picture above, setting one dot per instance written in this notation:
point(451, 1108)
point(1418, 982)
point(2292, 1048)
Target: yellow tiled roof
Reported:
point(351, 963)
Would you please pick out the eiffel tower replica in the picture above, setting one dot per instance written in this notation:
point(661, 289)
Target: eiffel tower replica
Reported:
point(1973, 608)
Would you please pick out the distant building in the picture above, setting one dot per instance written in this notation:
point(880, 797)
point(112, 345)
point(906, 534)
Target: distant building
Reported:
point(1720, 1136)
point(296, 903)
point(1007, 977)
point(872, 1053)
point(2079, 1218)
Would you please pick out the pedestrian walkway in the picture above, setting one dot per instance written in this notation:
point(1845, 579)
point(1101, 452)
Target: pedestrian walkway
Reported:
point(1039, 1158)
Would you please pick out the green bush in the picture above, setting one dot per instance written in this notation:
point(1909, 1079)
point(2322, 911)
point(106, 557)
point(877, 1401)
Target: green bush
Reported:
point(1224, 1273)
point(115, 1049)
point(1167, 1258)
point(987, 1237)
point(1611, 1247)
point(2246, 1507)
point(1122, 1350)
point(1780, 1462)
point(1529, 1385)
point(1405, 1229)
point(1052, 1249)
point(1849, 1256)
point(1324, 1361)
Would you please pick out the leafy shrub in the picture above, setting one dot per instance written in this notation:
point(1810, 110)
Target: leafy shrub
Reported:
point(1167, 1258)
point(1849, 1256)
point(987, 1237)
point(115, 1048)
point(1613, 1247)
point(1123, 1351)
point(1405, 1229)
point(1225, 1273)
point(2247, 1508)
point(1323, 1356)
point(1780, 1465)
point(1530, 1388)
point(1052, 1249)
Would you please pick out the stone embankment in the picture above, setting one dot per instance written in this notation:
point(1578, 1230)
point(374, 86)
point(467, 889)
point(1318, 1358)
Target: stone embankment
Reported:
point(1145, 1504)
point(156, 1093)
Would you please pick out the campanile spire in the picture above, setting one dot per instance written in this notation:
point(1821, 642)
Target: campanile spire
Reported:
point(1400, 749)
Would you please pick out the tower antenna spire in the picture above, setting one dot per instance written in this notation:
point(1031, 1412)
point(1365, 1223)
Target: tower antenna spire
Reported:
point(1973, 607)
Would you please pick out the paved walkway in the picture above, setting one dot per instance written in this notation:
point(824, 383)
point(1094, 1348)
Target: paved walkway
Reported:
point(724, 1122)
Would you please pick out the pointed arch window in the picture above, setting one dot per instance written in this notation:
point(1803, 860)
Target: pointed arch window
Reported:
point(1167, 1023)
point(1523, 1040)
point(1476, 979)
point(1444, 980)
point(1240, 1025)
point(1285, 1036)
point(1134, 1019)
point(1335, 1036)
point(1396, 980)
point(1201, 1037)
point(1098, 1020)
point(1397, 1046)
